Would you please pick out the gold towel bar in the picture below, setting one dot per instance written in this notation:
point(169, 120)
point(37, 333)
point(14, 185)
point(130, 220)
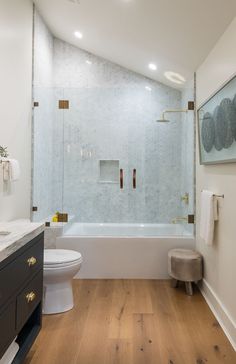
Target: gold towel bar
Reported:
point(221, 196)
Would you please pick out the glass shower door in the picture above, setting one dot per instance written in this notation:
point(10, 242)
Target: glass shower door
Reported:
point(121, 167)
point(47, 154)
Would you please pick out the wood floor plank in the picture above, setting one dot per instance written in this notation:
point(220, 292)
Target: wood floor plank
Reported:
point(132, 322)
point(93, 345)
point(142, 298)
point(146, 348)
point(119, 351)
point(122, 308)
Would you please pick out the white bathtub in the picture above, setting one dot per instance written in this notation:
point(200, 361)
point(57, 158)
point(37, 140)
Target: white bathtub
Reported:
point(125, 250)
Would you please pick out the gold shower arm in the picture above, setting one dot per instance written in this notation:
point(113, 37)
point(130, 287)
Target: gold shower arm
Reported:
point(174, 110)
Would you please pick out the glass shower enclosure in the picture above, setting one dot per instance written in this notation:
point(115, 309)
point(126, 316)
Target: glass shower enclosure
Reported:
point(100, 156)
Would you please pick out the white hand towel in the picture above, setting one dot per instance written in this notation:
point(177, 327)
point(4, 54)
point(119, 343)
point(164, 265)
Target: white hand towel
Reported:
point(14, 168)
point(6, 170)
point(209, 214)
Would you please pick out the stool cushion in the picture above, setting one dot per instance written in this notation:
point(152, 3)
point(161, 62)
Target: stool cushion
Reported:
point(185, 265)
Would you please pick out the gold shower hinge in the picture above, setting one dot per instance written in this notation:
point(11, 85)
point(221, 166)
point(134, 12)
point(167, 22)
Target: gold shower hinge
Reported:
point(191, 219)
point(191, 105)
point(63, 104)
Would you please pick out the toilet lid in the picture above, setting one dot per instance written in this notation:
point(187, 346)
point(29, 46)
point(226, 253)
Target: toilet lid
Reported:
point(60, 256)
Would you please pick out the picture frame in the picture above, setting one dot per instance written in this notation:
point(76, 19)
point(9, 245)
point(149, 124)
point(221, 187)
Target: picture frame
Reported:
point(216, 120)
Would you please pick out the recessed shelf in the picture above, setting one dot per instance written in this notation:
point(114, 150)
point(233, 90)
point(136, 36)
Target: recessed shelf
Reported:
point(109, 171)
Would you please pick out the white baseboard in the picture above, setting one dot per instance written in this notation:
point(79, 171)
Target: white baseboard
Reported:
point(220, 312)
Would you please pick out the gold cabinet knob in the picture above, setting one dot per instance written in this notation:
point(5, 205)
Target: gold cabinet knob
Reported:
point(31, 261)
point(30, 297)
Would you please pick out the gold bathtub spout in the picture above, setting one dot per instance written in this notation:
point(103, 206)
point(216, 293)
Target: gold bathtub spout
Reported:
point(179, 219)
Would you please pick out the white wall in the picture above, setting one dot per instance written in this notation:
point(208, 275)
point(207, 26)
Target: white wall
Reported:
point(220, 260)
point(15, 101)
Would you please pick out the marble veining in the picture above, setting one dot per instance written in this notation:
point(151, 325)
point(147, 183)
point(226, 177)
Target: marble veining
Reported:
point(21, 232)
point(111, 117)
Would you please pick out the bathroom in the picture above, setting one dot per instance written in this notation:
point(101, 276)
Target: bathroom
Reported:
point(109, 188)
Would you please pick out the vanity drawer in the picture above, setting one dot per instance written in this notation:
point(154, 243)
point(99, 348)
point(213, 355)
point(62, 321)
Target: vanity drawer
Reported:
point(28, 300)
point(7, 325)
point(14, 275)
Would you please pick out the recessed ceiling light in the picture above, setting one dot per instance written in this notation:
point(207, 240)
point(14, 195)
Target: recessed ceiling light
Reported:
point(152, 66)
point(88, 62)
point(78, 35)
point(148, 88)
point(174, 77)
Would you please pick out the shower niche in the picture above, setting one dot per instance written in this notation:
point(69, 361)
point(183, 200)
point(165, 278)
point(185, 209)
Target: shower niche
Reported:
point(109, 171)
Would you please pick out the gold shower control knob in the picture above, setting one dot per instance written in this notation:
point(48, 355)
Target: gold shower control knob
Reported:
point(31, 261)
point(185, 198)
point(30, 297)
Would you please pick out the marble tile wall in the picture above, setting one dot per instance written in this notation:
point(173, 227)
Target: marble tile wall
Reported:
point(43, 53)
point(111, 117)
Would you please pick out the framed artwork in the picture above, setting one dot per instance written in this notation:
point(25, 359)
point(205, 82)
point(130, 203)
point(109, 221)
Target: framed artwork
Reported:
point(217, 126)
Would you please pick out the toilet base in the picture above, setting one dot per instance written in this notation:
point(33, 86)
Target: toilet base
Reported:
point(57, 298)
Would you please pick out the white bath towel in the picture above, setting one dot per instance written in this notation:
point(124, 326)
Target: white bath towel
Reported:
point(209, 214)
point(14, 170)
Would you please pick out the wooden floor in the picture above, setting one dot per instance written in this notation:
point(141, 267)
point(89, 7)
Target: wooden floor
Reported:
point(132, 322)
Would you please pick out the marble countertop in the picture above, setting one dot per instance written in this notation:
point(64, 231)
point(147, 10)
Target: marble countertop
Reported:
point(21, 232)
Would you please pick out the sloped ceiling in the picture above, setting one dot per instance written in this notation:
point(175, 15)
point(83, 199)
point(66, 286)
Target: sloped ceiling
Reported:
point(176, 35)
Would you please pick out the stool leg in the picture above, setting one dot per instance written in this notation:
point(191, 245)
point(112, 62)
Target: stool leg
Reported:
point(189, 288)
point(174, 283)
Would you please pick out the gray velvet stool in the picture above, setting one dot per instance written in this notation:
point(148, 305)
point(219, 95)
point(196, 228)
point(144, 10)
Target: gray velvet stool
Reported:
point(186, 266)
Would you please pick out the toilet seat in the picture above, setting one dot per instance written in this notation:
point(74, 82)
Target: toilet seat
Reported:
point(60, 258)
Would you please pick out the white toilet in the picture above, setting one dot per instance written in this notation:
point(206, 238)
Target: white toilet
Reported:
point(60, 266)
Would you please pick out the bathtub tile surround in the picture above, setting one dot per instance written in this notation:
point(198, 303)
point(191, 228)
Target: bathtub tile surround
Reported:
point(106, 130)
point(51, 234)
point(111, 117)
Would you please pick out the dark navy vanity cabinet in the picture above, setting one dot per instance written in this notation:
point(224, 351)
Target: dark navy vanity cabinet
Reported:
point(21, 290)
